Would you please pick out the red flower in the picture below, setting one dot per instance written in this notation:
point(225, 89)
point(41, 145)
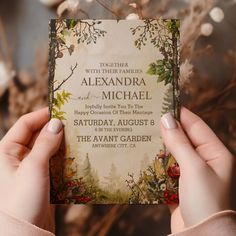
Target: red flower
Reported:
point(71, 183)
point(81, 199)
point(170, 198)
point(173, 172)
point(166, 193)
point(173, 196)
point(60, 196)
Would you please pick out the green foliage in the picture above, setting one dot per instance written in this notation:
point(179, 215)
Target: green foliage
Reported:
point(157, 184)
point(167, 105)
point(58, 102)
point(71, 23)
point(145, 32)
point(89, 33)
point(65, 32)
point(163, 69)
point(117, 197)
point(85, 32)
point(173, 27)
point(71, 49)
point(159, 34)
point(164, 35)
point(86, 188)
point(114, 181)
point(89, 175)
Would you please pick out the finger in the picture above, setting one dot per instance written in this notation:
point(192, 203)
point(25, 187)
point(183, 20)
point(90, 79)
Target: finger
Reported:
point(33, 139)
point(172, 207)
point(178, 144)
point(25, 127)
point(205, 141)
point(177, 223)
point(47, 143)
point(14, 150)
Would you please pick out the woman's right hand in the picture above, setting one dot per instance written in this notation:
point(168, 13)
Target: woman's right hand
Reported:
point(206, 167)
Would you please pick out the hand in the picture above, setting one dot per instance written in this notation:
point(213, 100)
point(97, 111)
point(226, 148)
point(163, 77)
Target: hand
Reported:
point(206, 169)
point(24, 167)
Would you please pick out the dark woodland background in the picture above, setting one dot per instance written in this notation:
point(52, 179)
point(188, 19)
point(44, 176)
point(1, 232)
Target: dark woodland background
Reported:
point(207, 73)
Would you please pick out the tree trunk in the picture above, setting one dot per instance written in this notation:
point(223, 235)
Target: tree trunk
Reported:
point(51, 64)
point(175, 70)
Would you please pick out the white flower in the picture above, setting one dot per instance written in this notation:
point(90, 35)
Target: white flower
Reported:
point(217, 14)
point(73, 4)
point(206, 29)
point(5, 76)
point(163, 187)
point(134, 5)
point(145, 201)
point(132, 16)
point(186, 70)
point(50, 3)
point(143, 2)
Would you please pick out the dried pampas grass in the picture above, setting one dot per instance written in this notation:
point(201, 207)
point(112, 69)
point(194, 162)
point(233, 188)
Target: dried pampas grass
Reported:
point(29, 92)
point(194, 15)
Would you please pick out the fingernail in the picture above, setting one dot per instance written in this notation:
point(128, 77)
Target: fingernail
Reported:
point(169, 121)
point(54, 126)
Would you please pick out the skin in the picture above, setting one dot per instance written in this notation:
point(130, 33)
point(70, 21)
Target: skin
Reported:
point(205, 163)
point(24, 169)
point(206, 167)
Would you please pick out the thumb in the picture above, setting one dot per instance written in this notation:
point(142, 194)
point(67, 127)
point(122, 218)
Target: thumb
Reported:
point(177, 223)
point(178, 143)
point(47, 143)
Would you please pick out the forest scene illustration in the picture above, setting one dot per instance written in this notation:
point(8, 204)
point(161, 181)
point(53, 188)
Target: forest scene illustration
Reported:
point(75, 180)
point(158, 183)
point(63, 172)
point(85, 32)
point(78, 182)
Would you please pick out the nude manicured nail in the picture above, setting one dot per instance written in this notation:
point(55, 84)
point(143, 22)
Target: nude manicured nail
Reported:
point(169, 121)
point(54, 126)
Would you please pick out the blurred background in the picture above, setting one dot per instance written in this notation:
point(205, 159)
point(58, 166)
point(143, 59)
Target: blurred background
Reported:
point(207, 75)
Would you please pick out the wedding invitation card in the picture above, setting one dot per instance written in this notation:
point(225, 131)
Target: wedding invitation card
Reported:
point(110, 82)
